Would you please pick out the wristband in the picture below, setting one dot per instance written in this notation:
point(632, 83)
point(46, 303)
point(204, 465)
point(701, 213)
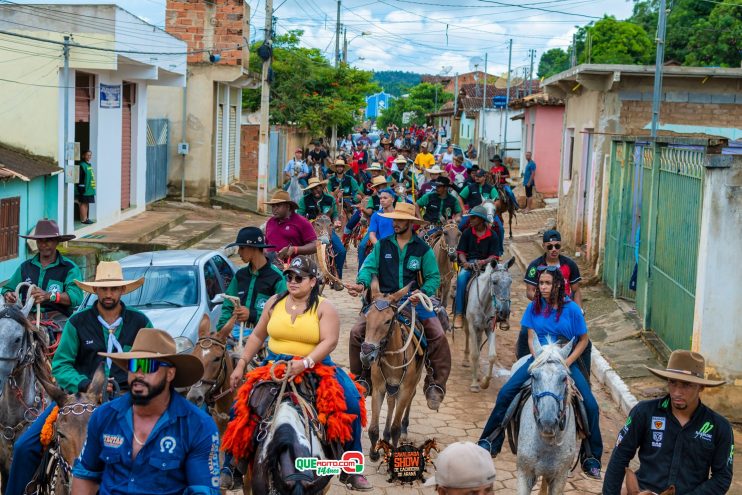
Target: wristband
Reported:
point(311, 362)
point(305, 363)
point(296, 250)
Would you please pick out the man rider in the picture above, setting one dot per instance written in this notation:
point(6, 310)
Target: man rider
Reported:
point(106, 326)
point(318, 156)
point(290, 234)
point(681, 441)
point(253, 284)
point(296, 167)
point(317, 202)
point(478, 245)
point(399, 260)
point(51, 273)
point(440, 205)
point(501, 174)
point(434, 173)
point(350, 192)
point(373, 203)
point(476, 193)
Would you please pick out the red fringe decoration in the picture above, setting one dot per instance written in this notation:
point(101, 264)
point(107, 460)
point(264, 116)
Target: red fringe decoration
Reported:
point(331, 409)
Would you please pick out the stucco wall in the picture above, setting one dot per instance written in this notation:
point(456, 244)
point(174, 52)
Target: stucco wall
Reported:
point(546, 147)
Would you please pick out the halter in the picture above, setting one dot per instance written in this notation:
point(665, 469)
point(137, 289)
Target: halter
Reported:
point(561, 402)
point(450, 250)
point(206, 343)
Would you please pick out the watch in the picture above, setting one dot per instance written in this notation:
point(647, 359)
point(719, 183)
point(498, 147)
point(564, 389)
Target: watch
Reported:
point(54, 296)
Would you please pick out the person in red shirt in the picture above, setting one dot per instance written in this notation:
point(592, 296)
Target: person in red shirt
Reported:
point(290, 234)
point(501, 174)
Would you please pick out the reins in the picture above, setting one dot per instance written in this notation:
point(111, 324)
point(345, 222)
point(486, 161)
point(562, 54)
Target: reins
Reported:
point(305, 408)
point(220, 378)
point(427, 304)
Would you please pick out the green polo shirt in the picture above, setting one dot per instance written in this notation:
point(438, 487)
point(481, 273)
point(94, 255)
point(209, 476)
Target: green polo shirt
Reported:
point(30, 268)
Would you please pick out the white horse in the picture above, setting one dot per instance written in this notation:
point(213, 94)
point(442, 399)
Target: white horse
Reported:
point(488, 302)
point(547, 441)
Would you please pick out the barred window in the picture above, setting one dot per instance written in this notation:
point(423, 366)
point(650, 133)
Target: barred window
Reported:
point(10, 215)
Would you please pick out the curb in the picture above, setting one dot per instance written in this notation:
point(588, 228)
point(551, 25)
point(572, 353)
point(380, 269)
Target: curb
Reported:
point(601, 369)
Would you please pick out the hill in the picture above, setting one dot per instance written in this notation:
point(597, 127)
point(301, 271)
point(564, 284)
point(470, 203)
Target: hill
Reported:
point(396, 82)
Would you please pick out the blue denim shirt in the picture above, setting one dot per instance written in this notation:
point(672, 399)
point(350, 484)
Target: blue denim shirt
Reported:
point(180, 456)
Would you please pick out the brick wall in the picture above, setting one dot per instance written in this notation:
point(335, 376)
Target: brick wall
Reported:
point(250, 135)
point(208, 25)
point(635, 115)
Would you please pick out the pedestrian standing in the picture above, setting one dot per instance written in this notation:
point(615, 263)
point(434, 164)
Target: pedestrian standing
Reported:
point(86, 187)
point(529, 181)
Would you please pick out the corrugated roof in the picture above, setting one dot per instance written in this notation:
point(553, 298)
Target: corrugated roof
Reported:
point(536, 99)
point(21, 164)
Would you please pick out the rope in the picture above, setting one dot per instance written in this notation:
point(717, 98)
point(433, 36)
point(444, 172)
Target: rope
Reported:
point(30, 288)
point(303, 406)
point(427, 304)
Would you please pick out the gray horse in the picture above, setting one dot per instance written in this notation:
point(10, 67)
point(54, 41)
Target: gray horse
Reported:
point(547, 442)
point(22, 363)
point(488, 302)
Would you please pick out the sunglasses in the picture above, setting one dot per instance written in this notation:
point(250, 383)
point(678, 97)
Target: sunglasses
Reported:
point(292, 277)
point(147, 365)
point(549, 268)
point(550, 247)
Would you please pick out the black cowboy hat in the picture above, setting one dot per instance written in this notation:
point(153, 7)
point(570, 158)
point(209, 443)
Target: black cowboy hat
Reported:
point(250, 237)
point(474, 168)
point(496, 158)
point(442, 181)
point(47, 230)
point(364, 131)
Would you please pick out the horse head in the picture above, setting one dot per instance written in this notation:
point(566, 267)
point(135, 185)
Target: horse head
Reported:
point(451, 236)
point(501, 284)
point(323, 228)
point(380, 321)
point(16, 336)
point(491, 210)
point(551, 387)
point(632, 486)
point(212, 351)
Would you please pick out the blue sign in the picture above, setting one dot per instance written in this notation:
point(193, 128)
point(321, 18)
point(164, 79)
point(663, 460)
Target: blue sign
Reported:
point(110, 96)
point(499, 101)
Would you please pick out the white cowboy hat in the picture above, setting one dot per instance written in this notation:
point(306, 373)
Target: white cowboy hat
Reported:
point(109, 274)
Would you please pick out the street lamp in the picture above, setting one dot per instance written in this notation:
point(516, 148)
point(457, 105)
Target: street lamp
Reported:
point(346, 43)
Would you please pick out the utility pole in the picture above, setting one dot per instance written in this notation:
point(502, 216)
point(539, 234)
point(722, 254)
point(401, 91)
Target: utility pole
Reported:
point(574, 50)
point(345, 45)
point(334, 138)
point(507, 102)
point(67, 153)
point(454, 127)
point(484, 100)
point(530, 71)
point(265, 94)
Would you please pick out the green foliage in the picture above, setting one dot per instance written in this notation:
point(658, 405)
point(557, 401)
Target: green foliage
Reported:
point(307, 91)
point(396, 82)
point(717, 39)
point(421, 100)
point(553, 62)
point(614, 42)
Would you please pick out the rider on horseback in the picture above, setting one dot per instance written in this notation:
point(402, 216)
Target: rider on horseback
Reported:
point(434, 173)
point(501, 174)
point(317, 202)
point(290, 234)
point(51, 273)
point(303, 328)
point(343, 184)
point(397, 261)
point(373, 204)
point(440, 205)
point(549, 317)
point(107, 325)
point(478, 246)
point(477, 192)
point(254, 283)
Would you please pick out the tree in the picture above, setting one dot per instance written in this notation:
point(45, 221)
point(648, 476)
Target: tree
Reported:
point(420, 100)
point(552, 62)
point(717, 40)
point(396, 82)
point(306, 90)
point(610, 41)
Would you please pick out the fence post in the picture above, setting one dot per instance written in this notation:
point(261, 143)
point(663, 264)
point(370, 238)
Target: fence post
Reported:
point(651, 237)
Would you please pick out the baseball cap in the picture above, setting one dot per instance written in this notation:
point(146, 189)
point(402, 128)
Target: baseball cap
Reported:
point(302, 265)
point(552, 235)
point(463, 465)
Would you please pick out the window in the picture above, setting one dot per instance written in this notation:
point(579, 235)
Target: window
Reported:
point(568, 156)
point(224, 270)
point(10, 216)
point(212, 281)
point(164, 287)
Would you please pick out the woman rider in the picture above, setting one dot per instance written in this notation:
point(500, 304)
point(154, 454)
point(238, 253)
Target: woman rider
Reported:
point(302, 324)
point(549, 317)
point(379, 227)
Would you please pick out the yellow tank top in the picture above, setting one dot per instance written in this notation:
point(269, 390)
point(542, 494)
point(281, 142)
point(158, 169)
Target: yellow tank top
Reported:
point(298, 338)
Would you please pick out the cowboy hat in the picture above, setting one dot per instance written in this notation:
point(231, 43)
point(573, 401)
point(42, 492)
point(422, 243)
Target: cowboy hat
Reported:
point(403, 211)
point(385, 141)
point(435, 169)
point(481, 212)
point(495, 159)
point(686, 366)
point(379, 181)
point(424, 144)
point(375, 166)
point(47, 229)
point(339, 162)
point(281, 197)
point(109, 274)
point(250, 237)
point(442, 181)
point(314, 182)
point(152, 343)
point(400, 159)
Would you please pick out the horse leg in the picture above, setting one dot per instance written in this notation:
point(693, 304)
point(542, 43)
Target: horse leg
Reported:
point(404, 402)
point(491, 358)
point(556, 485)
point(474, 359)
point(391, 402)
point(377, 397)
point(525, 482)
point(406, 419)
point(511, 213)
point(466, 364)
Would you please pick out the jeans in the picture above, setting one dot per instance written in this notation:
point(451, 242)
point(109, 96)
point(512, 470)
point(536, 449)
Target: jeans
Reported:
point(26, 455)
point(512, 196)
point(340, 252)
point(362, 250)
point(461, 281)
point(585, 359)
point(510, 390)
point(352, 222)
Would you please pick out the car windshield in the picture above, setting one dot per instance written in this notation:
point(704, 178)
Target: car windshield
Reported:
point(164, 286)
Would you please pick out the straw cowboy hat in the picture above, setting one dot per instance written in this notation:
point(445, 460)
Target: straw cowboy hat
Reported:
point(401, 159)
point(385, 141)
point(403, 211)
point(109, 274)
point(47, 230)
point(686, 366)
point(424, 144)
point(338, 162)
point(379, 181)
point(375, 166)
point(435, 169)
point(152, 343)
point(281, 197)
point(314, 182)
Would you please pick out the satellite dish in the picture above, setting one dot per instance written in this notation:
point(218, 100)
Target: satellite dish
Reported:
point(475, 63)
point(445, 70)
point(502, 81)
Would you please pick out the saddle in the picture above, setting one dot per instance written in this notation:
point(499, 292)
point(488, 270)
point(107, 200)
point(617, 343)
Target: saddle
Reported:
point(511, 423)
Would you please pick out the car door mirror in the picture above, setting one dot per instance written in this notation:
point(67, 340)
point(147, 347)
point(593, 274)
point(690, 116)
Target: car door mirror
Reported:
point(218, 299)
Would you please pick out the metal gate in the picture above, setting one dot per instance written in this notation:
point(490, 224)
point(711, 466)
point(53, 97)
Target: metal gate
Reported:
point(219, 139)
point(126, 145)
point(666, 283)
point(277, 157)
point(158, 132)
point(234, 138)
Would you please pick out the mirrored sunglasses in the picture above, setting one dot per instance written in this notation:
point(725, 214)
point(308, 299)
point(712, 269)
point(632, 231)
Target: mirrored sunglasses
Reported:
point(147, 365)
point(550, 247)
point(549, 268)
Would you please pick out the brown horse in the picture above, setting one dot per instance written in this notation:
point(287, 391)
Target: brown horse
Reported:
point(323, 227)
point(213, 389)
point(444, 250)
point(396, 366)
point(632, 486)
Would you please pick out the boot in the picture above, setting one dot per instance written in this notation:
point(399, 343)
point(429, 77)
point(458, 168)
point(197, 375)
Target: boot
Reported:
point(230, 478)
point(439, 363)
point(458, 321)
point(356, 482)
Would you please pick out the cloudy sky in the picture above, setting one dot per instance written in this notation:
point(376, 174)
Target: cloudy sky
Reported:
point(425, 36)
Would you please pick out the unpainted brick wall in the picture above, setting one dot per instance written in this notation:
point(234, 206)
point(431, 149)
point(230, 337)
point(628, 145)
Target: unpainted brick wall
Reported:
point(636, 115)
point(208, 25)
point(250, 135)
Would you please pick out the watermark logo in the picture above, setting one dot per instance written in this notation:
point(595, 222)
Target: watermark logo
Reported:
point(704, 432)
point(351, 463)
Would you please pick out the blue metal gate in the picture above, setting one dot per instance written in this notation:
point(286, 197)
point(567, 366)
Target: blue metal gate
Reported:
point(158, 131)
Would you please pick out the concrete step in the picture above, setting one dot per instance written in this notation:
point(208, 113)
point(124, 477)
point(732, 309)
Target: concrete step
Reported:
point(137, 230)
point(185, 235)
point(237, 201)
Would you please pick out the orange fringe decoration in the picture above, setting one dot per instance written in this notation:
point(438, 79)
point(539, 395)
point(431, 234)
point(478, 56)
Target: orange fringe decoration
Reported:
point(331, 409)
point(47, 431)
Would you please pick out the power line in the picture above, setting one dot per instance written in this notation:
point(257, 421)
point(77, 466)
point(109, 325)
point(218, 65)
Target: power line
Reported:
point(539, 8)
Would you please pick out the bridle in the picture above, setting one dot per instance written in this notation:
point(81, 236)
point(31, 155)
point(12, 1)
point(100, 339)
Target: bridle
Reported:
point(217, 383)
point(562, 402)
point(450, 250)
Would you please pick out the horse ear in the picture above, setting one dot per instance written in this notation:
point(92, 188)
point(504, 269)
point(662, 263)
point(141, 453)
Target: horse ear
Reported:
point(375, 290)
point(226, 330)
point(400, 293)
point(567, 349)
point(95, 390)
point(26, 310)
point(537, 349)
point(494, 262)
point(632, 484)
point(510, 262)
point(204, 326)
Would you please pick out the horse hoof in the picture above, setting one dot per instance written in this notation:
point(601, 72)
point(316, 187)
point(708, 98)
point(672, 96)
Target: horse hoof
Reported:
point(466, 363)
point(374, 456)
point(485, 384)
point(474, 388)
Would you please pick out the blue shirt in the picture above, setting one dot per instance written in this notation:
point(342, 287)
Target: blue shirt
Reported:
point(180, 456)
point(381, 226)
point(289, 168)
point(528, 172)
point(571, 323)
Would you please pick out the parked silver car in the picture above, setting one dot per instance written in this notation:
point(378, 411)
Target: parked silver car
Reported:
point(179, 287)
point(457, 151)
